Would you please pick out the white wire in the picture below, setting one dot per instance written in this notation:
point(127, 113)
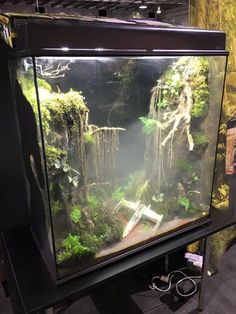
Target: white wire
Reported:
point(168, 280)
point(37, 5)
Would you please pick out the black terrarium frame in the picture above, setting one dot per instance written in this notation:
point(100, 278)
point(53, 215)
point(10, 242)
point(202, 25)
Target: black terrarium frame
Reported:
point(126, 45)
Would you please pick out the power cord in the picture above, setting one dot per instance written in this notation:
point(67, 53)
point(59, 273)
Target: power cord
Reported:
point(168, 279)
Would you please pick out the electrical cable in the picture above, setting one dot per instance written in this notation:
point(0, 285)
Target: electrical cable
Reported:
point(168, 279)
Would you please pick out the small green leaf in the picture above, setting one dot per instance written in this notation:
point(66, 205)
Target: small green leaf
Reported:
point(161, 104)
point(184, 201)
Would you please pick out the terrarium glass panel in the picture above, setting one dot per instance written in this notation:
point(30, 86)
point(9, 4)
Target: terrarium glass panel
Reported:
point(129, 148)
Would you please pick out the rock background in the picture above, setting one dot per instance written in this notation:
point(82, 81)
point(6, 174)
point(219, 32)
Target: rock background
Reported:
point(220, 15)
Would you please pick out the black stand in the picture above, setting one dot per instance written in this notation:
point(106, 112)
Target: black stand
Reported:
point(31, 287)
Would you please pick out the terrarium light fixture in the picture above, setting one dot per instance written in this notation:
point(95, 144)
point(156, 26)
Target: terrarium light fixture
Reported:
point(142, 5)
point(158, 11)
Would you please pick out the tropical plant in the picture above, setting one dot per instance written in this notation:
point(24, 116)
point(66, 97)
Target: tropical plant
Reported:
point(185, 202)
point(72, 248)
point(72, 174)
point(75, 215)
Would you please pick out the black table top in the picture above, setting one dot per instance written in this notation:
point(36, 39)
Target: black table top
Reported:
point(36, 289)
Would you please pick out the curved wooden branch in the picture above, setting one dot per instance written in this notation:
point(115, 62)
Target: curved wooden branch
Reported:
point(106, 129)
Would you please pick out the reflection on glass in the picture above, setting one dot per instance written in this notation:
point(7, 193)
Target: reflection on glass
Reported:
point(130, 149)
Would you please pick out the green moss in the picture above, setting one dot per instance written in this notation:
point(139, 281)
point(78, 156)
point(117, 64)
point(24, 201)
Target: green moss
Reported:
point(95, 228)
point(62, 104)
point(200, 140)
point(91, 241)
point(107, 230)
point(200, 101)
point(29, 92)
point(112, 234)
point(56, 107)
point(72, 248)
point(75, 215)
point(89, 138)
point(184, 165)
point(56, 207)
point(192, 69)
point(43, 84)
point(171, 88)
point(168, 208)
point(53, 154)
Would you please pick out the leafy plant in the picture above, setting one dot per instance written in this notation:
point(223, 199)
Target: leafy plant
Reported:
point(201, 98)
point(92, 241)
point(185, 202)
point(149, 125)
point(161, 103)
point(74, 179)
point(75, 215)
point(200, 139)
point(72, 247)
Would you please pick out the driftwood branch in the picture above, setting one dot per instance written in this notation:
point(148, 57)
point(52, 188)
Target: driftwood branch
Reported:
point(106, 129)
point(179, 118)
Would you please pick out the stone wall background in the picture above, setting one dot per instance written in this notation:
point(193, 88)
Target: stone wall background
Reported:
point(221, 15)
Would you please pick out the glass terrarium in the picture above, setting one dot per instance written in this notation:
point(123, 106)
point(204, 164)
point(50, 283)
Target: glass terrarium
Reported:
point(127, 143)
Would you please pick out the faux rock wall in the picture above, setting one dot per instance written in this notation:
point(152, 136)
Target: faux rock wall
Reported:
point(220, 14)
